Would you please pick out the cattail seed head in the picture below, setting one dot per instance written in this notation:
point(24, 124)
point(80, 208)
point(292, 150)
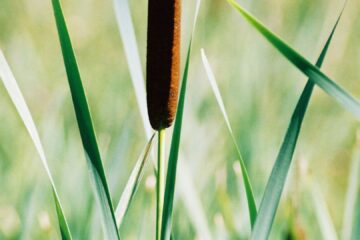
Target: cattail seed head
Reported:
point(163, 61)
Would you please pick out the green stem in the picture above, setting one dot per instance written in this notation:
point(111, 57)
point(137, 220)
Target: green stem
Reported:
point(160, 183)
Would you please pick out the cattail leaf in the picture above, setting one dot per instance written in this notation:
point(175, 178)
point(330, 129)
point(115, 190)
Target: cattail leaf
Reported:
point(322, 214)
point(247, 184)
point(313, 72)
point(132, 183)
point(17, 98)
point(173, 157)
point(175, 144)
point(276, 182)
point(356, 221)
point(85, 125)
point(127, 33)
point(64, 229)
point(351, 193)
point(187, 191)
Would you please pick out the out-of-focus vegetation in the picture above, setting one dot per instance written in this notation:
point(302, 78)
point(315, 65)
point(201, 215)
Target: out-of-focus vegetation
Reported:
point(260, 90)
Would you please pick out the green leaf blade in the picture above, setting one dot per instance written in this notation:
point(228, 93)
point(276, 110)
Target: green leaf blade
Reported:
point(356, 221)
point(64, 228)
point(276, 182)
point(86, 128)
point(175, 144)
point(313, 72)
point(132, 183)
point(322, 213)
point(173, 157)
point(127, 33)
point(351, 193)
point(17, 98)
point(187, 191)
point(246, 179)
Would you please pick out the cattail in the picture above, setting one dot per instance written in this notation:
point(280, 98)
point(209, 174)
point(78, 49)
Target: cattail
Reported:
point(163, 61)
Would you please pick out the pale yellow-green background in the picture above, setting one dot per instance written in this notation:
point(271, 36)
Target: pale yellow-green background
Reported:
point(260, 89)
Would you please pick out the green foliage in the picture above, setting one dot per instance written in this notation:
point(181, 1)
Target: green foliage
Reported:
point(313, 72)
point(247, 184)
point(258, 93)
point(86, 128)
point(132, 183)
point(17, 98)
point(276, 182)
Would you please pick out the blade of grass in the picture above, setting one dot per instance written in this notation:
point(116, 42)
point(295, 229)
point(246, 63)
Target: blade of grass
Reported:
point(28, 209)
point(276, 182)
point(175, 144)
point(247, 184)
point(126, 28)
point(313, 72)
point(322, 213)
point(17, 98)
point(187, 192)
point(356, 221)
point(191, 200)
point(132, 183)
point(173, 157)
point(351, 193)
point(85, 125)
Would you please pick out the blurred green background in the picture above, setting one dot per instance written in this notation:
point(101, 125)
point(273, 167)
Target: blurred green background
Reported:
point(260, 90)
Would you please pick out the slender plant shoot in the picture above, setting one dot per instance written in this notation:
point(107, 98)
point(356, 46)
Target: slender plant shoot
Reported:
point(87, 133)
point(277, 179)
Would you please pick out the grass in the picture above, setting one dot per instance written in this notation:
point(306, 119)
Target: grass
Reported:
point(17, 98)
point(247, 184)
point(92, 154)
point(257, 90)
point(132, 184)
point(311, 71)
point(126, 28)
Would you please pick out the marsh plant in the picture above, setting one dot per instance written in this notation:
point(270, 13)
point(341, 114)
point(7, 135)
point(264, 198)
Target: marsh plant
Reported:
point(240, 204)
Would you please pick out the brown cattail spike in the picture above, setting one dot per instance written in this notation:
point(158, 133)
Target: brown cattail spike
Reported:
point(163, 61)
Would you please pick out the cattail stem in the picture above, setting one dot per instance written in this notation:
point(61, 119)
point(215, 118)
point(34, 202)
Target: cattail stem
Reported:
point(160, 183)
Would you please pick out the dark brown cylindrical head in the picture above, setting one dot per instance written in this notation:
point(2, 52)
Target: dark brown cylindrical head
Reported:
point(163, 61)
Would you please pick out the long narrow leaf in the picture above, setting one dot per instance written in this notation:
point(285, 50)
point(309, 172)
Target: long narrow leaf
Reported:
point(127, 33)
point(326, 224)
point(351, 194)
point(132, 183)
point(17, 98)
point(173, 157)
point(356, 221)
point(276, 182)
point(313, 72)
point(175, 144)
point(187, 191)
point(247, 184)
point(85, 125)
